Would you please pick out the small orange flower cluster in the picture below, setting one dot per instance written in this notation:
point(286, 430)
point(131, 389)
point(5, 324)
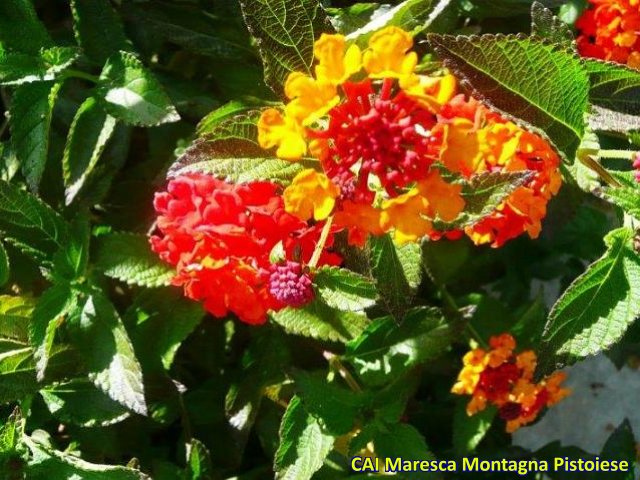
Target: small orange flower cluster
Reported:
point(500, 377)
point(393, 145)
point(610, 30)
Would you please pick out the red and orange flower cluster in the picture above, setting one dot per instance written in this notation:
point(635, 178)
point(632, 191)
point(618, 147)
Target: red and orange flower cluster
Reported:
point(219, 236)
point(394, 145)
point(504, 379)
point(610, 30)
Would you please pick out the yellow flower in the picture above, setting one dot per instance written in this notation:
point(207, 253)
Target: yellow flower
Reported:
point(404, 213)
point(499, 144)
point(311, 194)
point(387, 55)
point(461, 147)
point(444, 198)
point(430, 92)
point(276, 130)
point(311, 99)
point(335, 65)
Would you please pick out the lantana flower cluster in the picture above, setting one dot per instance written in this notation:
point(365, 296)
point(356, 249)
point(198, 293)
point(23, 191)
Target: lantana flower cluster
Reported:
point(219, 236)
point(610, 30)
point(394, 144)
point(504, 379)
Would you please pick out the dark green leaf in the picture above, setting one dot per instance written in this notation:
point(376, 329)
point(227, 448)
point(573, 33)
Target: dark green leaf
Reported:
point(614, 86)
point(4, 265)
point(285, 31)
point(521, 77)
point(627, 198)
point(597, 308)
point(469, 430)
point(345, 290)
point(504, 8)
point(129, 92)
point(403, 441)
point(15, 315)
point(128, 258)
point(303, 444)
point(98, 29)
point(20, 28)
point(18, 68)
point(70, 263)
point(31, 111)
point(621, 446)
point(443, 259)
point(544, 24)
point(199, 465)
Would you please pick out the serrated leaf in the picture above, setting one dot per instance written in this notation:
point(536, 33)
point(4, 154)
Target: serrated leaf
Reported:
point(79, 402)
point(285, 32)
point(15, 315)
point(4, 265)
point(30, 121)
point(199, 465)
point(319, 321)
point(414, 16)
point(160, 320)
point(90, 131)
point(597, 308)
point(30, 224)
point(98, 29)
point(128, 91)
point(521, 77)
point(20, 28)
point(303, 444)
point(47, 464)
point(128, 257)
point(11, 433)
point(343, 289)
point(350, 18)
point(100, 336)
point(234, 109)
point(505, 8)
point(405, 442)
point(544, 24)
point(469, 430)
point(51, 309)
point(627, 198)
point(613, 86)
point(335, 407)
point(19, 68)
point(396, 270)
point(387, 350)
point(71, 261)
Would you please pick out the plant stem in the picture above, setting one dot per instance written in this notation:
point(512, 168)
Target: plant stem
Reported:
point(452, 306)
point(80, 74)
point(619, 154)
point(335, 363)
point(321, 242)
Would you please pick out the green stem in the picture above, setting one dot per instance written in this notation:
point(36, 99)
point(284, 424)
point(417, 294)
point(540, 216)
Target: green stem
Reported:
point(618, 154)
point(71, 73)
point(452, 306)
point(335, 363)
point(321, 242)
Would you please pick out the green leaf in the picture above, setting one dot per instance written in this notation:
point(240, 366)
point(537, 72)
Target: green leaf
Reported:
point(20, 28)
point(387, 350)
point(79, 402)
point(19, 68)
point(47, 464)
point(343, 289)
point(544, 24)
point(90, 131)
point(199, 465)
point(597, 308)
point(129, 92)
point(414, 16)
point(101, 338)
point(403, 441)
point(285, 32)
point(98, 29)
point(303, 444)
point(396, 270)
point(11, 433)
point(4, 266)
point(468, 431)
point(232, 110)
point(70, 263)
point(521, 77)
point(627, 198)
point(31, 110)
point(504, 8)
point(613, 86)
point(443, 259)
point(350, 18)
point(17, 374)
point(30, 224)
point(51, 309)
point(128, 257)
point(15, 315)
point(319, 321)
point(621, 446)
point(160, 319)
point(335, 407)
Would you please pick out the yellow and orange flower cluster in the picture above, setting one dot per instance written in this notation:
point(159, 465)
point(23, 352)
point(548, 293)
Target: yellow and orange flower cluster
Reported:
point(393, 146)
point(610, 30)
point(504, 379)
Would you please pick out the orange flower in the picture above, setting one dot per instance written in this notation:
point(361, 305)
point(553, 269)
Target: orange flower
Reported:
point(405, 214)
point(360, 219)
point(311, 194)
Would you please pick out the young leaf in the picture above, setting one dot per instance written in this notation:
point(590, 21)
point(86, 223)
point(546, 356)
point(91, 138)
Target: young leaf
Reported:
point(319, 321)
point(79, 402)
point(51, 309)
point(387, 350)
point(100, 336)
point(597, 308)
point(30, 224)
point(396, 270)
point(521, 77)
point(303, 444)
point(31, 111)
point(343, 289)
point(19, 68)
point(90, 131)
point(544, 24)
point(20, 28)
point(199, 465)
point(4, 265)
point(128, 91)
point(98, 29)
point(128, 258)
point(285, 32)
point(468, 431)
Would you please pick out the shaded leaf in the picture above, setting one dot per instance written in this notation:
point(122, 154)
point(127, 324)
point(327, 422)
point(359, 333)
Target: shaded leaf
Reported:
point(544, 24)
point(345, 290)
point(199, 465)
point(4, 265)
point(613, 86)
point(20, 28)
point(469, 430)
point(19, 68)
